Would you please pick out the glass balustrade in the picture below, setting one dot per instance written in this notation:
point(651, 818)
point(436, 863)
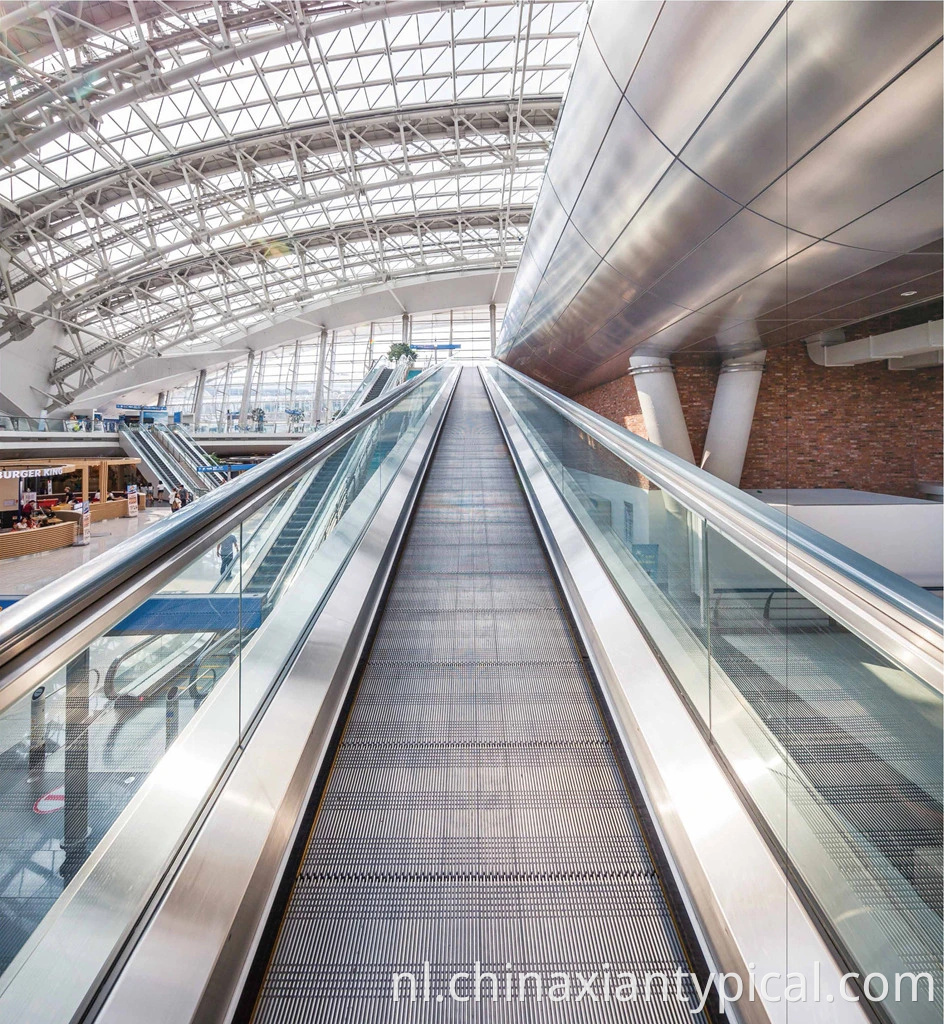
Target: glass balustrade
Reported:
point(838, 749)
point(177, 684)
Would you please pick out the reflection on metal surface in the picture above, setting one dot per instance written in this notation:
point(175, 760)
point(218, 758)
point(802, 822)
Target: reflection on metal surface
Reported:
point(723, 170)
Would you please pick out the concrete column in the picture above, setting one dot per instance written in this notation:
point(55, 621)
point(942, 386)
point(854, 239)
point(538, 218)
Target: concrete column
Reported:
point(162, 398)
point(369, 351)
point(659, 402)
point(76, 781)
point(198, 398)
point(732, 414)
point(319, 377)
point(247, 392)
point(492, 327)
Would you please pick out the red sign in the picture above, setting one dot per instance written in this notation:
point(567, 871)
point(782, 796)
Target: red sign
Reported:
point(51, 802)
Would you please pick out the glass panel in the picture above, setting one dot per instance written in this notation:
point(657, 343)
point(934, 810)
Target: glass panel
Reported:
point(838, 749)
point(77, 750)
point(652, 547)
point(200, 653)
point(748, 653)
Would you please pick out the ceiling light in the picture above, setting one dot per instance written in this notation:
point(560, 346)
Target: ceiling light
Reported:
point(907, 295)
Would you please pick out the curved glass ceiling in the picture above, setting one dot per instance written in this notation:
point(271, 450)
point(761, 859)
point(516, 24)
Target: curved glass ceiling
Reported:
point(174, 173)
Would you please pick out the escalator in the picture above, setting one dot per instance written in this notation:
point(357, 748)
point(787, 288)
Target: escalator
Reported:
point(475, 795)
point(378, 385)
point(149, 671)
point(157, 466)
point(187, 453)
point(284, 546)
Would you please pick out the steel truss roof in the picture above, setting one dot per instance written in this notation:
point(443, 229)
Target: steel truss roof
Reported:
point(173, 172)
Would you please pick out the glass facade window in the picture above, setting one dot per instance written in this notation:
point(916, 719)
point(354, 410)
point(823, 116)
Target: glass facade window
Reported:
point(283, 381)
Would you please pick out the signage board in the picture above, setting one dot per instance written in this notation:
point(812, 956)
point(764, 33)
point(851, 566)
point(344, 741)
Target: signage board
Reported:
point(83, 533)
point(132, 496)
point(36, 471)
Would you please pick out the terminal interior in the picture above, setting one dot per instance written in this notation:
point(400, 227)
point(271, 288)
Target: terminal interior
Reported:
point(471, 511)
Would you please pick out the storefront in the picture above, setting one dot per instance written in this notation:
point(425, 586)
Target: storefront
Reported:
point(46, 504)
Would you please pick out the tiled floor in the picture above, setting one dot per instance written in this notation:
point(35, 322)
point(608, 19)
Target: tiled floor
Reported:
point(28, 573)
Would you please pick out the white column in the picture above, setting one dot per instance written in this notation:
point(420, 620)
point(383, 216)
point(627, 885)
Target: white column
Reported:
point(247, 391)
point(319, 377)
point(405, 329)
point(492, 328)
point(198, 398)
point(330, 387)
point(293, 384)
point(660, 406)
point(223, 422)
point(732, 414)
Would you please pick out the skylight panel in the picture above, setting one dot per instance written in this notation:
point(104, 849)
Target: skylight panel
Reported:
point(143, 219)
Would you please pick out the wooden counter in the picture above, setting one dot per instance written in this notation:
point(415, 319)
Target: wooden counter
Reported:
point(98, 510)
point(43, 538)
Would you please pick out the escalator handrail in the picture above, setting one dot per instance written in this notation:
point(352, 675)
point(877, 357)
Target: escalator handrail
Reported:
point(876, 603)
point(161, 437)
point(25, 623)
point(193, 454)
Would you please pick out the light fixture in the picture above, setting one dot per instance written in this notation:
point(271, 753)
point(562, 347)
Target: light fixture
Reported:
point(907, 295)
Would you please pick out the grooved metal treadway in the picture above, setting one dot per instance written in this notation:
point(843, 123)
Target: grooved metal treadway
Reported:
point(475, 810)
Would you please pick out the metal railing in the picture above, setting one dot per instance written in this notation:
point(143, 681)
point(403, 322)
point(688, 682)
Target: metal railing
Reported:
point(889, 612)
point(98, 594)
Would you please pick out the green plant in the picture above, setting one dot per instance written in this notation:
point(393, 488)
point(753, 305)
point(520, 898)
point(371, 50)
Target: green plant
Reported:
point(401, 350)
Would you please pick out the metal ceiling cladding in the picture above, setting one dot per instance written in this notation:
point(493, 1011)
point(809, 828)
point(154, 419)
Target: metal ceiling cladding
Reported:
point(475, 810)
point(727, 176)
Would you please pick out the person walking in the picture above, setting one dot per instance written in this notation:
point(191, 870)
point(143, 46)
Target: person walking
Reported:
point(227, 549)
point(175, 503)
point(160, 491)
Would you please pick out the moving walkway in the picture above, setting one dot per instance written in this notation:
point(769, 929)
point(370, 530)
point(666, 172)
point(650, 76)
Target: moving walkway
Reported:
point(516, 712)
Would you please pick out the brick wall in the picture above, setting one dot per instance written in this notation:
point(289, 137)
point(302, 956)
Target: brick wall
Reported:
point(863, 427)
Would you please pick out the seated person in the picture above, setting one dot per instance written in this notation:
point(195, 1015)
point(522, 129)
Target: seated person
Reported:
point(20, 524)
